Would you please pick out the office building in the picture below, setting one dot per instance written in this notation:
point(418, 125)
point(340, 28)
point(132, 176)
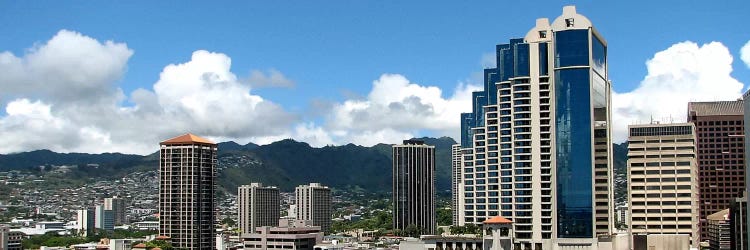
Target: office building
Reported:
point(104, 219)
point(314, 205)
point(662, 174)
point(414, 186)
point(187, 173)
point(721, 148)
point(623, 216)
point(718, 231)
point(85, 221)
point(539, 134)
point(4, 230)
point(117, 205)
point(738, 223)
point(257, 206)
point(456, 184)
point(11, 240)
point(296, 236)
point(746, 127)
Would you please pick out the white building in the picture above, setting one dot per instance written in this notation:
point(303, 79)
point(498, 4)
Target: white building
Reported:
point(105, 219)
point(85, 221)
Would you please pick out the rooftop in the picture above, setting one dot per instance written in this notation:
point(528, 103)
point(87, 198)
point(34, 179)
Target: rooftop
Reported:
point(721, 215)
point(187, 138)
point(716, 108)
point(498, 220)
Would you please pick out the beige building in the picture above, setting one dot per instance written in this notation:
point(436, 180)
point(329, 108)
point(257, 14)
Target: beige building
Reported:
point(298, 235)
point(85, 221)
point(662, 180)
point(187, 173)
point(719, 235)
point(314, 204)
point(257, 206)
point(117, 205)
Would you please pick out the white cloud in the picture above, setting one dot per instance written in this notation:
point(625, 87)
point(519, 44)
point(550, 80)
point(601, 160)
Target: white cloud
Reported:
point(65, 98)
point(397, 109)
point(682, 73)
point(745, 54)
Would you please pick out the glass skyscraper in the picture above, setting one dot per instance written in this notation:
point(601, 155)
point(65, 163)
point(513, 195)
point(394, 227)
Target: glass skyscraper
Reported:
point(536, 147)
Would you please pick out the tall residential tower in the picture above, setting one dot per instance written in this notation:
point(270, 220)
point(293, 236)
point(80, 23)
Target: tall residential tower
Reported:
point(314, 205)
point(414, 186)
point(257, 206)
point(187, 173)
point(537, 146)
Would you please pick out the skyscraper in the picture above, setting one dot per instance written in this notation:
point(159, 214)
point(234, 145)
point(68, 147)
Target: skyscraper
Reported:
point(414, 186)
point(187, 173)
point(539, 137)
point(314, 204)
point(662, 180)
point(85, 221)
point(456, 184)
point(117, 205)
point(721, 147)
point(105, 219)
point(257, 206)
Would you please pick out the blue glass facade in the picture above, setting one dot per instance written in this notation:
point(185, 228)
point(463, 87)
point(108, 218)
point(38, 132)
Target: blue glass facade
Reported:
point(574, 160)
point(467, 122)
point(572, 48)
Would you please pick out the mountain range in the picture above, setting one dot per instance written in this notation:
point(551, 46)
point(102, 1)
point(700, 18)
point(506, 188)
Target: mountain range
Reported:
point(286, 164)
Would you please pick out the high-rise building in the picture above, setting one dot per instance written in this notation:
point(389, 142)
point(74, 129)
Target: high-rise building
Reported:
point(314, 205)
point(721, 147)
point(4, 231)
point(456, 184)
point(187, 173)
point(539, 137)
point(117, 205)
point(718, 231)
point(414, 186)
point(738, 223)
point(746, 127)
point(105, 219)
point(257, 206)
point(85, 221)
point(662, 174)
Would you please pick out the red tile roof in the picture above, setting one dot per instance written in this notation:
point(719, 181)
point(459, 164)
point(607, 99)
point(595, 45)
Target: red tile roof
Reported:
point(187, 139)
point(498, 220)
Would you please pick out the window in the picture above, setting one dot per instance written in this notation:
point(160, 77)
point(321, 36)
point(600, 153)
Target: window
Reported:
point(542, 34)
point(569, 22)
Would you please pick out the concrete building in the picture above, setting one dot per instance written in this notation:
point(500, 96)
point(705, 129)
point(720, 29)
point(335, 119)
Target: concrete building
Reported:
point(719, 236)
point(661, 242)
point(738, 223)
point(257, 206)
point(117, 205)
point(187, 173)
point(4, 230)
point(623, 216)
point(104, 219)
point(746, 127)
point(456, 183)
point(721, 147)
point(85, 221)
point(539, 137)
point(13, 239)
point(298, 236)
point(414, 186)
point(662, 180)
point(314, 204)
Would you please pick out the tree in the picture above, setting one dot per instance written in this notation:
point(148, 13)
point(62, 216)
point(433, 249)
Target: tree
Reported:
point(444, 217)
point(412, 231)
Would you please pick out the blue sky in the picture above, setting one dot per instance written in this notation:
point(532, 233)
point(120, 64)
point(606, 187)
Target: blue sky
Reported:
point(333, 51)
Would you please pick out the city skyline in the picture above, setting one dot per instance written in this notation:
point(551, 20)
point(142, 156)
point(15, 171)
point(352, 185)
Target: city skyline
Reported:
point(303, 99)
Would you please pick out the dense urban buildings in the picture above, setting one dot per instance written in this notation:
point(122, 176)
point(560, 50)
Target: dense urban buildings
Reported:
point(117, 205)
point(662, 174)
point(314, 204)
point(257, 206)
point(721, 148)
point(414, 186)
point(456, 183)
point(187, 173)
point(104, 219)
point(85, 221)
point(539, 137)
point(718, 231)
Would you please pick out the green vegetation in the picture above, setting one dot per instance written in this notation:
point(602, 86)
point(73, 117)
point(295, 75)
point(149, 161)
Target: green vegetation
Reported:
point(444, 216)
point(467, 229)
point(54, 240)
point(380, 220)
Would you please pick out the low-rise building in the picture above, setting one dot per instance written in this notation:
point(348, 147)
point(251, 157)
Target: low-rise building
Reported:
point(297, 236)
